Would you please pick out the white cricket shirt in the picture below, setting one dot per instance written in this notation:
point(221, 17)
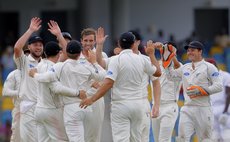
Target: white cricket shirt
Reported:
point(127, 70)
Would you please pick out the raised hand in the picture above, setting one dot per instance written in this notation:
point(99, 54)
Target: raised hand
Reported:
point(150, 48)
point(100, 36)
point(35, 24)
point(158, 45)
point(54, 28)
point(91, 57)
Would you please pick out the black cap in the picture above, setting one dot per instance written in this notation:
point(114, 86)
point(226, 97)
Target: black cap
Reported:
point(74, 47)
point(136, 34)
point(194, 44)
point(126, 40)
point(34, 39)
point(67, 35)
point(51, 48)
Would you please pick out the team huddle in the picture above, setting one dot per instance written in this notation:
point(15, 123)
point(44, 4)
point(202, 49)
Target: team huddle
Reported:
point(60, 97)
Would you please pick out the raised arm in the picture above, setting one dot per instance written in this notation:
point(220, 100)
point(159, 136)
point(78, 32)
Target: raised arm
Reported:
point(55, 30)
point(150, 50)
point(100, 40)
point(35, 25)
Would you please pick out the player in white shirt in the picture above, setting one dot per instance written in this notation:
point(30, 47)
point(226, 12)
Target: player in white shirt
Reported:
point(93, 121)
point(28, 87)
point(220, 103)
point(49, 111)
point(125, 74)
point(200, 80)
point(163, 125)
point(146, 80)
point(11, 89)
point(76, 76)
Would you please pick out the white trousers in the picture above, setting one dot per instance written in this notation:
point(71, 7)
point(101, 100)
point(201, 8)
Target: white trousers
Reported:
point(195, 119)
point(93, 121)
point(217, 111)
point(50, 125)
point(126, 120)
point(28, 124)
point(15, 136)
point(163, 125)
point(145, 127)
point(73, 120)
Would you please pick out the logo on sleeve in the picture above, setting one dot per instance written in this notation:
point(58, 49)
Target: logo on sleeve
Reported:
point(109, 72)
point(186, 74)
point(215, 74)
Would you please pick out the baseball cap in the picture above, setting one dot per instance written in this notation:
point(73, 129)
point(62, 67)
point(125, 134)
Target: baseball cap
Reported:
point(51, 48)
point(194, 44)
point(34, 39)
point(74, 47)
point(67, 35)
point(126, 40)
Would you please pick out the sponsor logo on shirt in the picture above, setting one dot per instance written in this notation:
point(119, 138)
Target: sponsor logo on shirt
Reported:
point(215, 74)
point(52, 69)
point(109, 72)
point(31, 66)
point(186, 74)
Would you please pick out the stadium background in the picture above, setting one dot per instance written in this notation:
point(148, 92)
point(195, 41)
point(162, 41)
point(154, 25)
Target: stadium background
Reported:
point(160, 20)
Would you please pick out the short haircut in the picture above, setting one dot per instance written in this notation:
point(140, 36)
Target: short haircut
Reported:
point(88, 31)
point(72, 56)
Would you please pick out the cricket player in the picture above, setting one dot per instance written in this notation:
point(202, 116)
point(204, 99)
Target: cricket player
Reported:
point(200, 80)
point(28, 87)
point(220, 103)
point(163, 125)
point(93, 121)
point(101, 37)
point(49, 111)
point(11, 89)
point(76, 76)
point(125, 74)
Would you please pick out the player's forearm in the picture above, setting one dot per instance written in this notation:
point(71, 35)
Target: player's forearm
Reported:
point(176, 63)
point(107, 84)
point(45, 77)
point(60, 89)
point(62, 42)
point(9, 92)
point(99, 56)
point(156, 92)
point(21, 43)
point(214, 88)
point(156, 64)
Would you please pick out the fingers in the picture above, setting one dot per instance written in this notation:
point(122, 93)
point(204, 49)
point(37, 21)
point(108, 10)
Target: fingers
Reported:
point(36, 20)
point(83, 105)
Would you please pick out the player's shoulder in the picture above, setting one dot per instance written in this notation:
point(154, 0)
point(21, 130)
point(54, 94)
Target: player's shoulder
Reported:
point(12, 73)
point(225, 74)
point(145, 57)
